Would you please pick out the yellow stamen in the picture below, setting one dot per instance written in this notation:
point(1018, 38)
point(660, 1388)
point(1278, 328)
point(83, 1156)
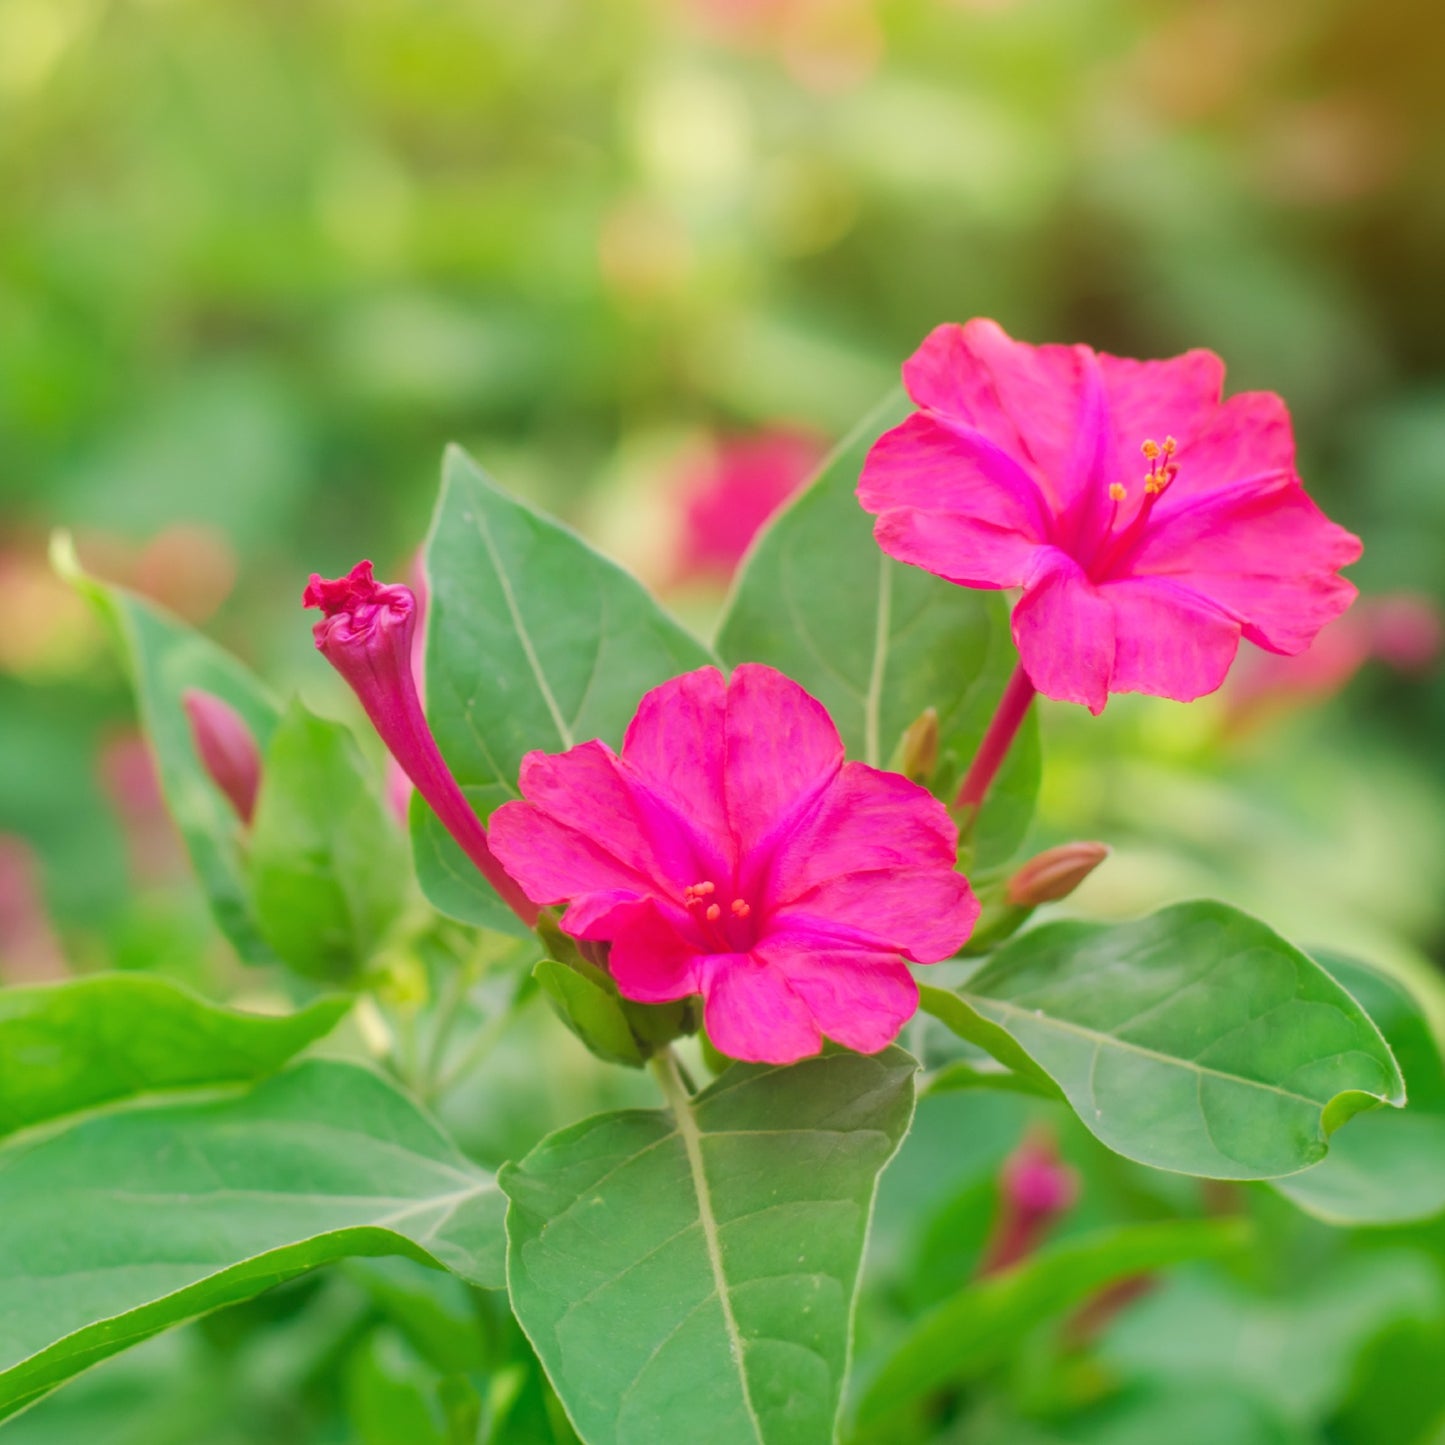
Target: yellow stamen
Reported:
point(740, 908)
point(1150, 450)
point(1117, 491)
point(713, 913)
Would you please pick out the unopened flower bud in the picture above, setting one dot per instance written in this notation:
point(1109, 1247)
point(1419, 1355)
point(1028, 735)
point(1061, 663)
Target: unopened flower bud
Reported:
point(366, 634)
point(226, 748)
point(1035, 1189)
point(1054, 873)
point(918, 752)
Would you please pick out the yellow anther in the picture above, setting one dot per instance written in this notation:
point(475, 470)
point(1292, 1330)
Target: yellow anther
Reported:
point(1150, 449)
point(1170, 446)
point(740, 908)
point(1117, 491)
point(713, 913)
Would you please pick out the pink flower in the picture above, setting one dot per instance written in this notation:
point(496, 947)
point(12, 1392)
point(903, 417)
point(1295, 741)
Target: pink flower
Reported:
point(1036, 1188)
point(727, 499)
point(731, 852)
point(366, 634)
point(1149, 524)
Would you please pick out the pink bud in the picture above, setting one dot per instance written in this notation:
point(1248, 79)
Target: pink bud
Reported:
point(366, 634)
point(1054, 873)
point(226, 749)
point(1035, 1188)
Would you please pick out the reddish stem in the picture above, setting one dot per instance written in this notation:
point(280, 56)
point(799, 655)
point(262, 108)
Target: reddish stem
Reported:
point(1013, 707)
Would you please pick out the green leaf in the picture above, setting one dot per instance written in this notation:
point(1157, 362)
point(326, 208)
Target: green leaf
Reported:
point(165, 659)
point(690, 1274)
point(963, 1074)
point(533, 641)
point(980, 1326)
point(171, 1211)
point(1388, 1167)
point(1195, 1040)
point(73, 1046)
point(878, 642)
point(328, 864)
point(590, 1009)
point(395, 1397)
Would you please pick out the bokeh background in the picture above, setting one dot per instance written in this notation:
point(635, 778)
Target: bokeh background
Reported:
point(261, 259)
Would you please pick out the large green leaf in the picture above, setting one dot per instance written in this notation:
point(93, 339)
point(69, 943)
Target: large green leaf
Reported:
point(1195, 1040)
point(328, 865)
point(533, 641)
point(980, 1326)
point(689, 1275)
point(165, 659)
point(878, 642)
point(67, 1047)
point(1388, 1167)
point(130, 1223)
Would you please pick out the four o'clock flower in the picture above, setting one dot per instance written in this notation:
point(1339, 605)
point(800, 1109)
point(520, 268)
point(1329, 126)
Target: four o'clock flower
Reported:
point(366, 634)
point(1149, 524)
point(729, 851)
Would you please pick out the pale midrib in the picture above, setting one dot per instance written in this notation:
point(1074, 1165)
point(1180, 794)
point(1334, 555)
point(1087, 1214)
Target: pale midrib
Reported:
point(1054, 1022)
point(872, 743)
point(681, 1105)
point(523, 636)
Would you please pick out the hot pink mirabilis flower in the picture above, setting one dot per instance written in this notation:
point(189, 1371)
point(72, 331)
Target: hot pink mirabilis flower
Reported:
point(731, 852)
point(1149, 524)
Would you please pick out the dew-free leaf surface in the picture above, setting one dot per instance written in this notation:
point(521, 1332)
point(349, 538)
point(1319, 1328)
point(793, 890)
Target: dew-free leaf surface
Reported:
point(689, 1274)
point(1195, 1040)
point(130, 1223)
point(534, 640)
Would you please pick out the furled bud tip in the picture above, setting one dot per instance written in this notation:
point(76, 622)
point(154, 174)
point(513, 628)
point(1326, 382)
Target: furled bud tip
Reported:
point(366, 634)
point(919, 749)
point(226, 749)
point(1054, 873)
point(1035, 1188)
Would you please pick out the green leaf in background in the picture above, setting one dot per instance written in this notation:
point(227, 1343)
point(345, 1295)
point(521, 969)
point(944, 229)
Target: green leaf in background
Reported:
point(878, 642)
point(1195, 1040)
point(980, 1326)
point(67, 1047)
point(1294, 1347)
point(394, 1397)
point(328, 864)
point(128, 1224)
point(1388, 1167)
point(689, 1275)
point(165, 658)
point(590, 1009)
point(533, 641)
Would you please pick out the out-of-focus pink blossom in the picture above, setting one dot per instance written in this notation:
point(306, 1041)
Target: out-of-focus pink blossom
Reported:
point(728, 496)
point(226, 749)
point(731, 852)
point(29, 949)
point(128, 775)
point(1036, 1188)
point(1149, 524)
point(367, 633)
point(1403, 630)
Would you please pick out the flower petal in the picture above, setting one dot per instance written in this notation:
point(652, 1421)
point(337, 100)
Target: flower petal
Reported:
point(866, 820)
point(1151, 400)
point(1168, 640)
point(677, 743)
point(1260, 550)
point(782, 750)
point(1065, 633)
point(651, 960)
point(950, 499)
point(1027, 398)
point(752, 1012)
point(858, 999)
point(926, 914)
